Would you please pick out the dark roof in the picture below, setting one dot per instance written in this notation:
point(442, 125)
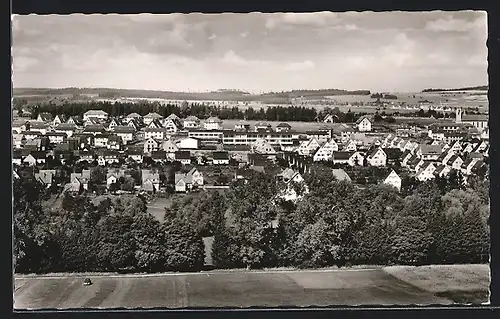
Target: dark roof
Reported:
point(159, 154)
point(182, 155)
point(123, 129)
point(362, 118)
point(220, 155)
point(342, 155)
point(154, 129)
point(474, 117)
point(393, 153)
point(94, 128)
point(55, 134)
point(283, 125)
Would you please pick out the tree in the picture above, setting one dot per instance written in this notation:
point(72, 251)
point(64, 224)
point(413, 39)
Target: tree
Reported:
point(411, 240)
point(150, 253)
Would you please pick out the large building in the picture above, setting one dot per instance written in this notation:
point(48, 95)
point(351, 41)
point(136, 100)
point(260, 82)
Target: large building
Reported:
point(479, 121)
point(247, 138)
point(95, 114)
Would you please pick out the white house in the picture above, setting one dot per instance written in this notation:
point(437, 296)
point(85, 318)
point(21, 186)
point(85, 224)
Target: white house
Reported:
point(56, 137)
point(59, 119)
point(125, 132)
point(112, 178)
point(150, 117)
point(185, 182)
point(101, 140)
point(157, 133)
point(350, 147)
point(455, 162)
point(429, 152)
point(171, 125)
point(44, 117)
point(377, 157)
point(188, 143)
point(350, 158)
point(151, 145)
point(283, 127)
point(150, 180)
point(393, 180)
point(323, 154)
point(308, 147)
point(156, 123)
point(132, 117)
point(364, 124)
point(213, 123)
point(261, 146)
point(95, 114)
point(426, 172)
point(191, 122)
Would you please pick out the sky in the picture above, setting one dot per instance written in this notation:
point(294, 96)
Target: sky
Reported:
point(256, 52)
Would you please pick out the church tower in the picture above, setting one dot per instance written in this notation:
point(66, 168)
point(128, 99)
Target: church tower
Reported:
point(458, 116)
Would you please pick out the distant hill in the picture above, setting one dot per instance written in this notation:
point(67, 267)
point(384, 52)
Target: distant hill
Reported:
point(472, 88)
point(221, 95)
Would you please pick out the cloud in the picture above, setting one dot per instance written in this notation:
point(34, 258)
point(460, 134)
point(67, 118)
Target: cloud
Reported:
point(244, 34)
point(231, 57)
point(22, 63)
point(212, 37)
point(447, 24)
point(299, 66)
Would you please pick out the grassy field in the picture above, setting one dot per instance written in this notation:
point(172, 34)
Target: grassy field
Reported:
point(371, 286)
point(157, 207)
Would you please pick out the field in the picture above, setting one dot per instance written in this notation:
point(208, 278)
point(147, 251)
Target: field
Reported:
point(372, 286)
point(157, 207)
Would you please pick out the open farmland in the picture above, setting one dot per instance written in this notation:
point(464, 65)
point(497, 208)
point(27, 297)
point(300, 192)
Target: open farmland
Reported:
point(371, 286)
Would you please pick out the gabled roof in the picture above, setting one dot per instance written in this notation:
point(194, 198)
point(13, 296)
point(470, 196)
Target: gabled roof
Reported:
point(133, 116)
point(284, 125)
point(342, 155)
point(192, 118)
point(123, 129)
point(340, 174)
point(173, 116)
point(153, 115)
point(213, 119)
point(95, 113)
point(46, 116)
point(375, 151)
point(362, 118)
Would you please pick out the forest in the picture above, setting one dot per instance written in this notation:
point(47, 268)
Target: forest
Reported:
point(335, 223)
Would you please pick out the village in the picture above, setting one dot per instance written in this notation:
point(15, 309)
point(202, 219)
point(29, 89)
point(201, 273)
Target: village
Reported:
point(208, 156)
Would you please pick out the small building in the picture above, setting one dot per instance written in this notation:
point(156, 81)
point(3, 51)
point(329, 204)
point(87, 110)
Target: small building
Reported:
point(45, 177)
point(220, 158)
point(189, 143)
point(377, 157)
point(97, 114)
point(242, 126)
point(150, 180)
point(59, 119)
point(135, 154)
point(150, 117)
point(393, 180)
point(283, 127)
point(132, 117)
point(426, 172)
point(212, 123)
point(151, 145)
point(183, 156)
point(191, 122)
point(189, 180)
point(350, 158)
point(45, 117)
point(364, 124)
point(125, 132)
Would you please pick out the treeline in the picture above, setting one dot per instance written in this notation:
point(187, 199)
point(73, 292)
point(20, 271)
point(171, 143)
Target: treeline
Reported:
point(470, 88)
point(335, 223)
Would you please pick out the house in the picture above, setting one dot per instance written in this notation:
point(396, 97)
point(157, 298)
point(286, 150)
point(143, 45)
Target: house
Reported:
point(134, 124)
point(283, 127)
point(189, 143)
point(306, 148)
point(329, 119)
point(74, 186)
point(263, 127)
point(91, 121)
point(73, 120)
point(170, 148)
point(101, 140)
point(191, 122)
point(18, 140)
point(30, 135)
point(106, 156)
point(44, 117)
point(393, 180)
point(426, 172)
point(95, 114)
point(189, 180)
point(150, 180)
point(20, 126)
point(45, 177)
point(35, 158)
point(59, 119)
point(377, 157)
point(172, 125)
point(350, 147)
point(350, 158)
point(456, 146)
point(242, 126)
point(468, 165)
point(455, 162)
point(405, 157)
point(393, 154)
point(114, 142)
point(442, 170)
point(341, 175)
point(151, 145)
point(87, 156)
point(183, 156)
point(415, 163)
point(132, 117)
point(83, 177)
point(157, 133)
point(156, 123)
point(364, 124)
point(112, 124)
point(94, 129)
point(321, 136)
point(429, 152)
point(261, 146)
point(331, 144)
point(39, 127)
point(292, 179)
point(220, 158)
point(323, 154)
point(213, 123)
point(126, 133)
point(56, 137)
point(150, 117)
point(159, 156)
point(110, 180)
point(135, 154)
point(174, 117)
point(66, 128)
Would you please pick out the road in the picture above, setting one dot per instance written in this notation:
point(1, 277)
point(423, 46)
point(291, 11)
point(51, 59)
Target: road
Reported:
point(215, 289)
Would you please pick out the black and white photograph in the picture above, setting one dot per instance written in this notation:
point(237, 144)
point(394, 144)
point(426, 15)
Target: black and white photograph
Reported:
point(240, 160)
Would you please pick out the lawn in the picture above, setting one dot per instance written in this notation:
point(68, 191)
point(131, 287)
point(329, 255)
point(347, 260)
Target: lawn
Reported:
point(461, 283)
point(223, 289)
point(157, 207)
